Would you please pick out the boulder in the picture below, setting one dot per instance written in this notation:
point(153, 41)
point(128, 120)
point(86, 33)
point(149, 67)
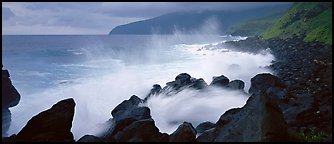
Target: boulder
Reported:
point(236, 85)
point(204, 126)
point(184, 133)
point(6, 120)
point(220, 81)
point(92, 138)
point(259, 120)
point(269, 84)
point(207, 136)
point(183, 81)
point(141, 131)
point(52, 125)
point(10, 98)
point(198, 84)
point(154, 91)
point(126, 106)
point(183, 78)
point(125, 114)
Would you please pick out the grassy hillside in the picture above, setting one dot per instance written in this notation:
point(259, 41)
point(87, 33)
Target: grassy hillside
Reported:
point(254, 27)
point(309, 20)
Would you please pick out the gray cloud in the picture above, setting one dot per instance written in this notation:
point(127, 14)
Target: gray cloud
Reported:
point(96, 17)
point(133, 9)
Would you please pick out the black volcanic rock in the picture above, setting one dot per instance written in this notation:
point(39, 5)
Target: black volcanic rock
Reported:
point(207, 136)
point(10, 98)
point(204, 126)
point(125, 114)
point(126, 106)
point(198, 84)
point(259, 120)
point(6, 120)
point(306, 70)
point(154, 91)
point(140, 131)
point(92, 138)
point(184, 133)
point(133, 123)
point(269, 84)
point(220, 81)
point(183, 78)
point(52, 125)
point(236, 85)
point(183, 81)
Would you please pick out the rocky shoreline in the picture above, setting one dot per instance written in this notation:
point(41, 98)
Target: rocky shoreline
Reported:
point(306, 69)
point(286, 106)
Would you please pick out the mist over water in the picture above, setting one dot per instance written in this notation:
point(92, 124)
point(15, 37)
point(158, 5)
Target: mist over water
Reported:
point(193, 106)
point(107, 75)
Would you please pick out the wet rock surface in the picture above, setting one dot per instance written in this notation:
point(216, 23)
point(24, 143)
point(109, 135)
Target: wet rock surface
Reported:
point(184, 133)
point(52, 125)
point(10, 98)
point(306, 71)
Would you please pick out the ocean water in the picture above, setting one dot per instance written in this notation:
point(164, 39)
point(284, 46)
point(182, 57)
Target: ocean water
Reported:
point(100, 71)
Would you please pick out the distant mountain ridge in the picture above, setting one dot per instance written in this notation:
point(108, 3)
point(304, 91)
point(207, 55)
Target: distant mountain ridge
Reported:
point(193, 21)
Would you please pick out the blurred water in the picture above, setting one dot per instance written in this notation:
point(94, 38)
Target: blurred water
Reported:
point(101, 71)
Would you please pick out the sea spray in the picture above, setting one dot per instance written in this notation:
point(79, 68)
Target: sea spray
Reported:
point(194, 106)
point(106, 81)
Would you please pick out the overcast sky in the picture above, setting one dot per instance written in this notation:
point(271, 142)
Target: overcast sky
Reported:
point(95, 17)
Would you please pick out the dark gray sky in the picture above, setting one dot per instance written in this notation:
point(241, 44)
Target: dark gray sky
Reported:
point(96, 17)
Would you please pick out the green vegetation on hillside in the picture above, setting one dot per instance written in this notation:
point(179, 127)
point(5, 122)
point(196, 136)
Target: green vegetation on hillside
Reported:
point(313, 135)
point(309, 20)
point(254, 27)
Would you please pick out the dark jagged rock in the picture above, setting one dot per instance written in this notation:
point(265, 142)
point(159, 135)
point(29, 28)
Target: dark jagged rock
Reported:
point(306, 69)
point(154, 91)
point(133, 123)
point(118, 123)
point(269, 84)
point(236, 85)
point(140, 131)
point(6, 120)
point(92, 138)
point(220, 81)
point(10, 98)
point(204, 126)
point(259, 120)
point(261, 82)
point(184, 133)
point(207, 136)
point(184, 78)
point(198, 84)
point(126, 106)
point(53, 124)
point(183, 81)
point(9, 139)
point(125, 114)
